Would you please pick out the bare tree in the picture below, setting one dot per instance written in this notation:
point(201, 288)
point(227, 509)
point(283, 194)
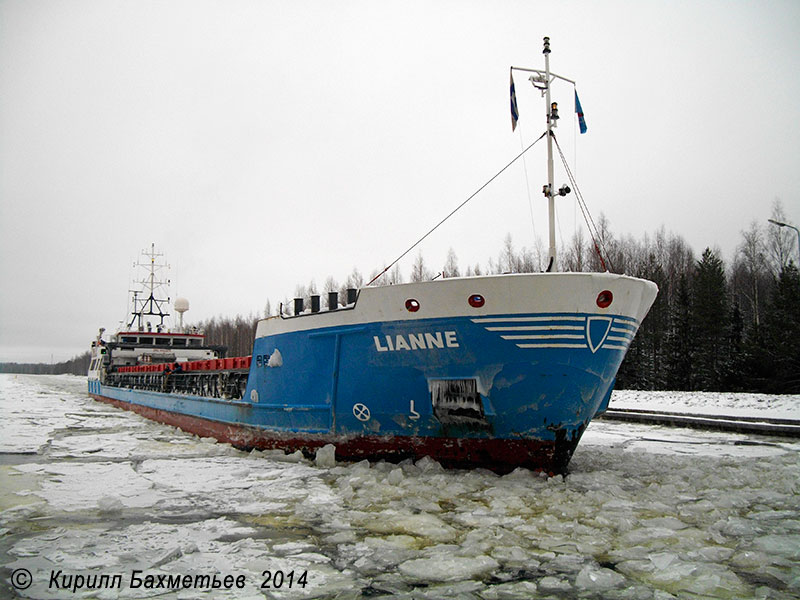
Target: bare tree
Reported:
point(750, 273)
point(604, 244)
point(300, 291)
point(419, 272)
point(331, 285)
point(780, 240)
point(354, 280)
point(508, 262)
point(575, 254)
point(379, 277)
point(451, 265)
point(528, 262)
point(678, 262)
point(395, 275)
point(306, 291)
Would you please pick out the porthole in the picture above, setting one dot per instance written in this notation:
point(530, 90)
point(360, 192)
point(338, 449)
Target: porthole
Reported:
point(476, 301)
point(412, 305)
point(604, 299)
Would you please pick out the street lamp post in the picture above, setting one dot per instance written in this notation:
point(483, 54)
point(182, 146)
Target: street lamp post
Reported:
point(779, 224)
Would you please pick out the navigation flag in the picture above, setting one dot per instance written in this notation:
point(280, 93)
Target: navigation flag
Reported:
point(514, 111)
point(578, 110)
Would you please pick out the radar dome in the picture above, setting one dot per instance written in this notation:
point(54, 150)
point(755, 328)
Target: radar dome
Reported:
point(181, 305)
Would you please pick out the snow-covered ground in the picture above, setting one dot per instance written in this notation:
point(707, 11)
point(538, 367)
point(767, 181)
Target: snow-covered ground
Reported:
point(647, 512)
point(711, 403)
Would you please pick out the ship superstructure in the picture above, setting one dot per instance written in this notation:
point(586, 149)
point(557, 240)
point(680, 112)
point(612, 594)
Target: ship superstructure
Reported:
point(146, 339)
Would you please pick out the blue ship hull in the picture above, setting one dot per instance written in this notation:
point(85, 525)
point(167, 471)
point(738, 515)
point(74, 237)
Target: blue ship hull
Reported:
point(469, 387)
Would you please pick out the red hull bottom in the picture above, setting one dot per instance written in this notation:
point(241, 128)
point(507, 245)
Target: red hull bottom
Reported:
point(501, 456)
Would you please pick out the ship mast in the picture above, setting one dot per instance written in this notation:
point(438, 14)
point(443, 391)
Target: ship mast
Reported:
point(552, 116)
point(541, 80)
point(149, 305)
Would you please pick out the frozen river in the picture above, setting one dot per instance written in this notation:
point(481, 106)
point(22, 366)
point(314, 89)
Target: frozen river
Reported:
point(106, 503)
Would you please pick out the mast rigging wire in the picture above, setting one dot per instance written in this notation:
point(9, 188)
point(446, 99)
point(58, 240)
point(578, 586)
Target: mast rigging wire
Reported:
point(590, 225)
point(455, 210)
point(528, 188)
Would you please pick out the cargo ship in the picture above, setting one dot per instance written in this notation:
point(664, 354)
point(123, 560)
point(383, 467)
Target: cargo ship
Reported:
point(498, 371)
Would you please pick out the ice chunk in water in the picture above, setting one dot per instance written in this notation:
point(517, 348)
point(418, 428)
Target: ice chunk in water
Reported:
point(326, 456)
point(567, 563)
point(427, 465)
point(422, 525)
point(713, 553)
point(395, 476)
point(662, 560)
point(517, 589)
point(448, 568)
point(787, 546)
point(554, 584)
point(715, 581)
point(750, 559)
point(665, 523)
point(594, 578)
point(110, 504)
point(295, 456)
point(166, 557)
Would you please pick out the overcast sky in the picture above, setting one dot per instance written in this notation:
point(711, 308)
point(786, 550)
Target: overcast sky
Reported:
point(265, 144)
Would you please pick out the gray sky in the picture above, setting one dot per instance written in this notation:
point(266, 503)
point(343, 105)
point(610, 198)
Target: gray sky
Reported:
point(265, 144)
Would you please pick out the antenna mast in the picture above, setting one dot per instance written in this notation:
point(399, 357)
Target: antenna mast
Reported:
point(149, 305)
point(541, 81)
point(552, 116)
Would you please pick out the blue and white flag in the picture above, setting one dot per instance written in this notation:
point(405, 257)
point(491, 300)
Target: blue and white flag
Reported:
point(579, 111)
point(514, 111)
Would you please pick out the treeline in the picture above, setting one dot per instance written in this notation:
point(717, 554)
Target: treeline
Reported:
point(708, 330)
point(79, 365)
point(235, 334)
point(713, 327)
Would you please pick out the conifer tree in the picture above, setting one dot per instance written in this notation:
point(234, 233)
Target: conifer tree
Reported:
point(680, 353)
point(710, 323)
point(782, 335)
point(654, 328)
point(735, 377)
